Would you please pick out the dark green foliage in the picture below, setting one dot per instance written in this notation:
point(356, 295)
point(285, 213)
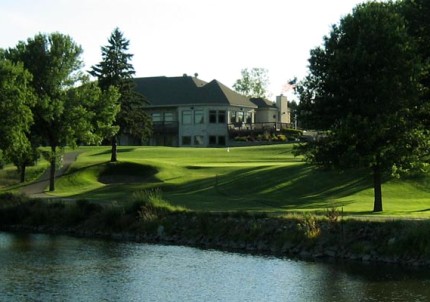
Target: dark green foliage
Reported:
point(2, 160)
point(292, 134)
point(63, 114)
point(16, 100)
point(416, 13)
point(363, 91)
point(115, 70)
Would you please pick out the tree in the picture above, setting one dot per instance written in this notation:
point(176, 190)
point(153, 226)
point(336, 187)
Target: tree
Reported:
point(16, 117)
point(253, 83)
point(22, 156)
point(63, 113)
point(416, 13)
point(116, 70)
point(362, 89)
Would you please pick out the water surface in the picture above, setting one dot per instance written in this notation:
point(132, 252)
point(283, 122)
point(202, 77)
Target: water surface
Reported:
point(38, 267)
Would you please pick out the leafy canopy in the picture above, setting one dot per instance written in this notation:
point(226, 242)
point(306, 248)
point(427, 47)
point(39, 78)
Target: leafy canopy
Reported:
point(362, 90)
point(63, 112)
point(253, 83)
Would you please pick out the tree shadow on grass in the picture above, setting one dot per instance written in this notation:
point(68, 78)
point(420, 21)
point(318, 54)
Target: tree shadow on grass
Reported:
point(288, 187)
point(115, 192)
point(271, 188)
point(109, 151)
point(119, 180)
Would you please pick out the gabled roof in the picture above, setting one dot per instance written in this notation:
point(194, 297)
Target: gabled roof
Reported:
point(186, 90)
point(263, 103)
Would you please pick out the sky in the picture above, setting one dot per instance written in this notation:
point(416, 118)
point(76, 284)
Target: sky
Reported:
point(214, 38)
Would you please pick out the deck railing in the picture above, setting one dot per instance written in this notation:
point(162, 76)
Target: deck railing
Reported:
point(165, 127)
point(266, 126)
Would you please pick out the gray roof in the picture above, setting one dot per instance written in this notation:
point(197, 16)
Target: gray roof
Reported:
point(186, 90)
point(263, 103)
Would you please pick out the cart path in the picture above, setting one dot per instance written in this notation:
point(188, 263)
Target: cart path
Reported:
point(37, 189)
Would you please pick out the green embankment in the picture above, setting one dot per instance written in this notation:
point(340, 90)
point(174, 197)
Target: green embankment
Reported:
point(258, 179)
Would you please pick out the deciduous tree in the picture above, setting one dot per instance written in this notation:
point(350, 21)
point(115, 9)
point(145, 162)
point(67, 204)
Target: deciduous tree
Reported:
point(63, 114)
point(416, 13)
point(253, 83)
point(362, 90)
point(16, 98)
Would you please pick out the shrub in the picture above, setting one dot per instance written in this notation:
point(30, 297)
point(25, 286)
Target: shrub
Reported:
point(292, 134)
point(87, 208)
point(111, 215)
point(309, 226)
point(149, 204)
point(333, 216)
point(143, 198)
point(281, 138)
point(412, 239)
point(241, 138)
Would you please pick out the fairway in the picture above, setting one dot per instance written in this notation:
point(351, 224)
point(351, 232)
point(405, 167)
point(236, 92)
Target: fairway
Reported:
point(261, 179)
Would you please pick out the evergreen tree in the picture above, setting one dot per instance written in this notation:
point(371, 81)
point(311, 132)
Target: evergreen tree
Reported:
point(116, 70)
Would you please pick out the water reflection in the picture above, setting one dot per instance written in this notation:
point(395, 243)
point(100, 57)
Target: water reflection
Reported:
point(59, 268)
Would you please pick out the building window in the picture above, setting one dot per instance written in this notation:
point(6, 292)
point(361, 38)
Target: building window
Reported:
point(168, 116)
point(199, 117)
point(248, 117)
point(212, 140)
point(187, 117)
point(221, 117)
point(233, 117)
point(198, 140)
point(212, 116)
point(156, 117)
point(221, 140)
point(240, 116)
point(186, 140)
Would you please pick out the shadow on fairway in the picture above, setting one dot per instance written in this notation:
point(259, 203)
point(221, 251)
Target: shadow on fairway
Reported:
point(269, 188)
point(260, 188)
point(109, 151)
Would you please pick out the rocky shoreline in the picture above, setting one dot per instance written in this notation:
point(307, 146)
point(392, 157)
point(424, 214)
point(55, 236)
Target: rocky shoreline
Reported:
point(307, 237)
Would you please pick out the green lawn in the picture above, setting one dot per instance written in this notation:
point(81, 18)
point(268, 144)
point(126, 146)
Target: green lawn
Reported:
point(9, 176)
point(264, 178)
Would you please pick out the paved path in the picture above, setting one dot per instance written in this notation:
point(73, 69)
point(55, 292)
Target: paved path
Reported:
point(37, 189)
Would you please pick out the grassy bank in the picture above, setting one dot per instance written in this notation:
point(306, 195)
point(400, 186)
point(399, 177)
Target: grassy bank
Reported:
point(148, 218)
point(265, 179)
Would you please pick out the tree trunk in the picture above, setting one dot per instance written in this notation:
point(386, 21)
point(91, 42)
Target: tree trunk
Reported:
point(22, 173)
point(113, 157)
point(377, 184)
point(52, 169)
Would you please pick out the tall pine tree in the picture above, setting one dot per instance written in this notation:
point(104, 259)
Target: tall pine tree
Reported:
point(116, 70)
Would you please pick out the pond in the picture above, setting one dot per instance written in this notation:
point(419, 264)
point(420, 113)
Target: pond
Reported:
point(37, 267)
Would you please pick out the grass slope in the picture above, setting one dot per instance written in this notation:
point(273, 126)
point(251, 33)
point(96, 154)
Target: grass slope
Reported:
point(263, 178)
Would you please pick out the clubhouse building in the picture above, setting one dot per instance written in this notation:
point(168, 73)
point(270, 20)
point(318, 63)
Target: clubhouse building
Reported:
point(187, 111)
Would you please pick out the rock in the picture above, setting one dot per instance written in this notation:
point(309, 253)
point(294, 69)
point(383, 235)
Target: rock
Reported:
point(330, 253)
point(365, 258)
point(305, 255)
point(160, 231)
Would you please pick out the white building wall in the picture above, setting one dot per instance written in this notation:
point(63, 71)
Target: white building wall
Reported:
point(206, 133)
point(266, 115)
point(284, 112)
point(199, 133)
